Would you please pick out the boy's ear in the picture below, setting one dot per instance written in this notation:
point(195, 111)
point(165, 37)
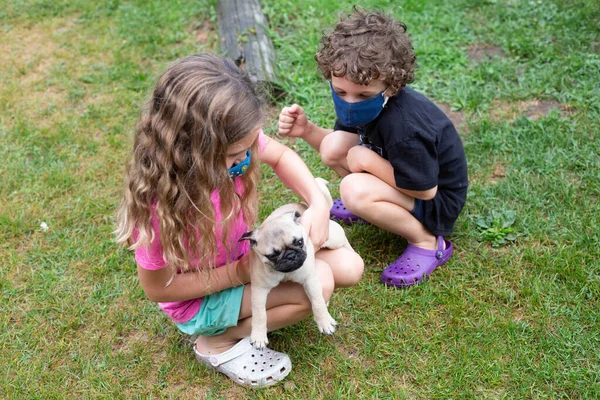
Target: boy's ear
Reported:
point(250, 237)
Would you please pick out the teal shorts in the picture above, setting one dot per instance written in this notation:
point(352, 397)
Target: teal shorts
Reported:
point(218, 312)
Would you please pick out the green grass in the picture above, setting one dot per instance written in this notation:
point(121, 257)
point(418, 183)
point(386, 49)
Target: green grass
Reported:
point(503, 319)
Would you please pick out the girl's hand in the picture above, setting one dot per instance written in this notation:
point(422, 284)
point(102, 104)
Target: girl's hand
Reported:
point(293, 121)
point(242, 268)
point(316, 222)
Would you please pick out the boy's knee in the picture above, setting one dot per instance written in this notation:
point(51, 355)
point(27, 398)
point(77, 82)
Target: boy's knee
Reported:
point(330, 152)
point(353, 192)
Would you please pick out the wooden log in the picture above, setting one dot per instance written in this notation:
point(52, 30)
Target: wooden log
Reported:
point(244, 40)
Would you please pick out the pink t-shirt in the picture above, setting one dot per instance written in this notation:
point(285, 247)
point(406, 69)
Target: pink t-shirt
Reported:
point(151, 257)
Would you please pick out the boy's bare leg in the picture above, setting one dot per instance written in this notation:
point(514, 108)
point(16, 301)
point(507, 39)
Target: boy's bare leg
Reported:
point(334, 150)
point(384, 206)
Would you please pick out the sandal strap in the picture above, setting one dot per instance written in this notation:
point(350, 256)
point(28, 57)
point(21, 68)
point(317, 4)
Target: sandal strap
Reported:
point(215, 360)
point(439, 254)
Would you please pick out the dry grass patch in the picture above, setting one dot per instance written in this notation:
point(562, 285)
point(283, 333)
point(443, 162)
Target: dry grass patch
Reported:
point(184, 390)
point(479, 52)
point(124, 345)
point(27, 50)
point(498, 173)
point(34, 84)
point(536, 109)
point(533, 109)
point(353, 355)
point(30, 57)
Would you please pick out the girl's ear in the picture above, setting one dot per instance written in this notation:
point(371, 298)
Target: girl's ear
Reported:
point(250, 237)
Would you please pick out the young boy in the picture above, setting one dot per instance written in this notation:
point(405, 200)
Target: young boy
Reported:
point(402, 162)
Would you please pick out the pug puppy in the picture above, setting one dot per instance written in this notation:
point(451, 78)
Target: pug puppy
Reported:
point(282, 251)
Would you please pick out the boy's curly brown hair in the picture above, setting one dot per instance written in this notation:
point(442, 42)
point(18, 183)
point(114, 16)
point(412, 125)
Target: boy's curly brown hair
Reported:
point(367, 46)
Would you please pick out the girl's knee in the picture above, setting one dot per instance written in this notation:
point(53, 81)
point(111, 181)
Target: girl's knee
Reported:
point(352, 272)
point(326, 278)
point(356, 267)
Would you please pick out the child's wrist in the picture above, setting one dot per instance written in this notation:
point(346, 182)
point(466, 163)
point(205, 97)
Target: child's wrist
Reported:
point(318, 201)
point(309, 130)
point(242, 273)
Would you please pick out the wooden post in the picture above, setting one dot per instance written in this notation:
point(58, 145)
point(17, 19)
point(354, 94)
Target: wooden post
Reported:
point(244, 40)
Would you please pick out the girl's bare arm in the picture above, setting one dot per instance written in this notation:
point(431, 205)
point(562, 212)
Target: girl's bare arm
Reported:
point(192, 285)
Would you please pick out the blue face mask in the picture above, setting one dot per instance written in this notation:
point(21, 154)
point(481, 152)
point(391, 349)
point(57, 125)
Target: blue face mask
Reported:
point(241, 167)
point(358, 113)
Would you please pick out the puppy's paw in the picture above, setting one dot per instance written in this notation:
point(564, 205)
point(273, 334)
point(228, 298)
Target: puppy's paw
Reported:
point(327, 325)
point(259, 341)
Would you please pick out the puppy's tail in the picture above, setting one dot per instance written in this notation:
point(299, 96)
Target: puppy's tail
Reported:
point(322, 184)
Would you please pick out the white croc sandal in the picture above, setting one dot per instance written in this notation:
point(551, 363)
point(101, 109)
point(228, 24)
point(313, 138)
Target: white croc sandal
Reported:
point(248, 366)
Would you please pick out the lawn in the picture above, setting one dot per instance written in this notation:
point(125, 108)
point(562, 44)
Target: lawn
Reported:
point(514, 314)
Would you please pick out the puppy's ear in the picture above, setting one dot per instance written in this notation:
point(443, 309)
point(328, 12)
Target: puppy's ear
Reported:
point(297, 216)
point(250, 237)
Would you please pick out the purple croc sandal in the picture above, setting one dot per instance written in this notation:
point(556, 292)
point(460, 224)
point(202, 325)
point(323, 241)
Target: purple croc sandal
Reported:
point(416, 264)
point(340, 213)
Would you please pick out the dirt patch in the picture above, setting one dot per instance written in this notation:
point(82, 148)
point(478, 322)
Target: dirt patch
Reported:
point(187, 390)
point(205, 34)
point(351, 353)
point(479, 52)
point(505, 110)
point(238, 392)
point(125, 344)
point(532, 109)
point(498, 173)
point(457, 117)
point(518, 314)
point(536, 109)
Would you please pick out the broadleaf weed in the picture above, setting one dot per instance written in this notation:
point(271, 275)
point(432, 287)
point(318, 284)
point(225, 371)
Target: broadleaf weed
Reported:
point(497, 227)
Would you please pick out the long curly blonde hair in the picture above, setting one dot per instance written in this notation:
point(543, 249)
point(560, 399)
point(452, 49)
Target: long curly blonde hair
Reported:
point(200, 106)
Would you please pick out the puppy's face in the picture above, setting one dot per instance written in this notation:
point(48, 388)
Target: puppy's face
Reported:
point(280, 242)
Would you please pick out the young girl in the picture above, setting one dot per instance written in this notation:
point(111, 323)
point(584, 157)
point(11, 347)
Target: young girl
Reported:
point(402, 162)
point(190, 195)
